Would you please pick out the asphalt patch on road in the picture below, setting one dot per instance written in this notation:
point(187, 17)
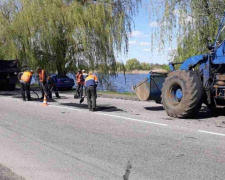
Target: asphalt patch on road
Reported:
point(155, 108)
point(99, 108)
point(108, 108)
point(6, 94)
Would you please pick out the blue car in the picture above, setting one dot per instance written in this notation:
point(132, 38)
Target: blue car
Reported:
point(63, 81)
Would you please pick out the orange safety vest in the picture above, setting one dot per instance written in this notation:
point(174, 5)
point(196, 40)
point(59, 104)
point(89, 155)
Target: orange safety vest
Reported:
point(80, 79)
point(26, 77)
point(91, 80)
point(42, 76)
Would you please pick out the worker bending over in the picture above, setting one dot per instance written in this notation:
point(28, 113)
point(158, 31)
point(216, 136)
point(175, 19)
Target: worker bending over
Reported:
point(42, 81)
point(51, 82)
point(91, 82)
point(25, 79)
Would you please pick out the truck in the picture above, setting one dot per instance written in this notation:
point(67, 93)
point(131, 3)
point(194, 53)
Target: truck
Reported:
point(8, 74)
point(197, 80)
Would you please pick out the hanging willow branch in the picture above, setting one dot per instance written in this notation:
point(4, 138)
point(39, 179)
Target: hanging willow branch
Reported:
point(188, 23)
point(51, 33)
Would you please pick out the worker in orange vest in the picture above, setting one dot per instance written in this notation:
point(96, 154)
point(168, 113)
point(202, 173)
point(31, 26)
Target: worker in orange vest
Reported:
point(80, 83)
point(25, 79)
point(91, 83)
point(42, 82)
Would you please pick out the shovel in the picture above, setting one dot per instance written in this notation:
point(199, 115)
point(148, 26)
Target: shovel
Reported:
point(82, 99)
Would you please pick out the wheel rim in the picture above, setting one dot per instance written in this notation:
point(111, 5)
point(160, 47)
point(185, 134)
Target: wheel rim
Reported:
point(175, 94)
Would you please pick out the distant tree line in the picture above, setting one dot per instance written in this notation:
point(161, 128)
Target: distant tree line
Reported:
point(134, 64)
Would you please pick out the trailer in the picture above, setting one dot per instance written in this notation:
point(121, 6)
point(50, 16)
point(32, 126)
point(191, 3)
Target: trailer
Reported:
point(8, 74)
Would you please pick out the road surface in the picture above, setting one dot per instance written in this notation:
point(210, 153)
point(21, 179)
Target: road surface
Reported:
point(66, 141)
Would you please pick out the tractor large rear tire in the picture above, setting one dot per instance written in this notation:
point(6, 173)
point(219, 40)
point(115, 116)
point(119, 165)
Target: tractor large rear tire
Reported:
point(182, 94)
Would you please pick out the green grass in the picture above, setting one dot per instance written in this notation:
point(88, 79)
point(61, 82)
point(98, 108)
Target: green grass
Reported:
point(117, 93)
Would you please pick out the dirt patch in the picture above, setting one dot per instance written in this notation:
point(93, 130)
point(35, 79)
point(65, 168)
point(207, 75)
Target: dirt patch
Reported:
point(7, 174)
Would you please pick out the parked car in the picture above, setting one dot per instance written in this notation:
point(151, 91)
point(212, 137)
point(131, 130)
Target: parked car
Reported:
point(63, 81)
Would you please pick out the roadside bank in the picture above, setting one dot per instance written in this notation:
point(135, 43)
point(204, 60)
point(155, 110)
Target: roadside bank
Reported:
point(116, 95)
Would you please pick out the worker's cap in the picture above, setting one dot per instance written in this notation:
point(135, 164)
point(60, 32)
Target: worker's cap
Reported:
point(83, 70)
point(31, 71)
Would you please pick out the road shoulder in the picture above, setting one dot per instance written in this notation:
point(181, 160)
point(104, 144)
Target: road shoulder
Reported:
point(7, 174)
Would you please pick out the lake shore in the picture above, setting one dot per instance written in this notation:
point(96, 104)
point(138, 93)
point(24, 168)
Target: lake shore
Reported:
point(144, 71)
point(135, 72)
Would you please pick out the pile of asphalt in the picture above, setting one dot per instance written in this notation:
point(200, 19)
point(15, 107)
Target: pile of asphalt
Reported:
point(7, 174)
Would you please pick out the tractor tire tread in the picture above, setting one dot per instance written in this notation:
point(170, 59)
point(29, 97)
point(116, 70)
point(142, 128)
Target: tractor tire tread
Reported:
point(192, 96)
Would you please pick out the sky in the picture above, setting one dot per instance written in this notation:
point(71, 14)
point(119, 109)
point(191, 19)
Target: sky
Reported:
point(140, 41)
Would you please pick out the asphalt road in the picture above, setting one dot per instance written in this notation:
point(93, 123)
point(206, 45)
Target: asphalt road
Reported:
point(66, 141)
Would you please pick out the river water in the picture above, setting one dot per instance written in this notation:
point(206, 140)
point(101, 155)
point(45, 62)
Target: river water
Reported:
point(120, 83)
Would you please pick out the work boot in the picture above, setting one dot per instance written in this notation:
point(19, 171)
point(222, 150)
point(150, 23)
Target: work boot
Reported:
point(50, 96)
point(93, 109)
point(24, 98)
point(57, 95)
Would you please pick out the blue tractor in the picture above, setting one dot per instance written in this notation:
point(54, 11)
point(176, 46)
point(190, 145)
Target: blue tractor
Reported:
point(199, 79)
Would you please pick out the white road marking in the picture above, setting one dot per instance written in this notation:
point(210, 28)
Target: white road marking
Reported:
point(65, 107)
point(127, 118)
point(208, 132)
point(121, 117)
point(132, 119)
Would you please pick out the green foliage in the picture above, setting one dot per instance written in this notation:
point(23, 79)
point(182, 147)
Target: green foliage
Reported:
point(120, 66)
point(52, 33)
point(133, 64)
point(165, 67)
point(145, 66)
point(187, 22)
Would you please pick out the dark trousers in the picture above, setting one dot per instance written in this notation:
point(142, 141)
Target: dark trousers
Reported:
point(91, 97)
point(53, 88)
point(80, 90)
point(24, 87)
point(44, 89)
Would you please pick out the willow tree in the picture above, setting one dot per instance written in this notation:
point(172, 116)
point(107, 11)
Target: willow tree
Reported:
point(52, 33)
point(8, 49)
point(187, 23)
